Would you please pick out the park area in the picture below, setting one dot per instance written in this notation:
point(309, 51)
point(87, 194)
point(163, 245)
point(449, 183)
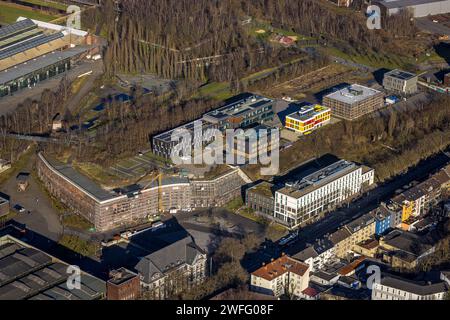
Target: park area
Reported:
point(9, 12)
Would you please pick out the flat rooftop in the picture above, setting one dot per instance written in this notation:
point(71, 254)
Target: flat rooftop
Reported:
point(353, 94)
point(319, 178)
point(307, 112)
point(393, 4)
point(93, 189)
point(79, 179)
point(399, 74)
point(121, 275)
point(190, 126)
point(237, 108)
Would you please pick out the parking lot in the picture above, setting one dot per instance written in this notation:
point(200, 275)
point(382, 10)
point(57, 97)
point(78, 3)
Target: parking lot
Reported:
point(43, 218)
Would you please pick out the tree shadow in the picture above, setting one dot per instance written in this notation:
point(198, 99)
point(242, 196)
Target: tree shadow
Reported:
point(321, 94)
point(443, 50)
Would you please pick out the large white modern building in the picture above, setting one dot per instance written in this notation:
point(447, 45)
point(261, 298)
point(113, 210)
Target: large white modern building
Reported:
point(418, 8)
point(391, 288)
point(303, 200)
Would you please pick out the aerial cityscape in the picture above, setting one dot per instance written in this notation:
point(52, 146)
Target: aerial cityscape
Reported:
point(262, 151)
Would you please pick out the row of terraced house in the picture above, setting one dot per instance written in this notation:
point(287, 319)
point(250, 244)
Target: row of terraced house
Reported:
point(384, 234)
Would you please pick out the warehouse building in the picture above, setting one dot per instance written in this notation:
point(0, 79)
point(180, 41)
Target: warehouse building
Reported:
point(302, 201)
point(32, 51)
point(242, 112)
point(418, 8)
point(30, 274)
point(400, 82)
point(354, 101)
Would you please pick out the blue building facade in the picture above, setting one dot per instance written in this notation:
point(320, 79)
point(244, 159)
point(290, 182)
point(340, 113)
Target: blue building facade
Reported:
point(383, 220)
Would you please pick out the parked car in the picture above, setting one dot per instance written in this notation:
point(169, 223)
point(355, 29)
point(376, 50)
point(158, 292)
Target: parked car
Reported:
point(18, 208)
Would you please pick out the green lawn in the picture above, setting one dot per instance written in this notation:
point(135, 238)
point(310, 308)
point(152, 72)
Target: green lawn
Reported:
point(48, 4)
point(10, 12)
point(76, 244)
point(377, 61)
point(78, 222)
point(216, 90)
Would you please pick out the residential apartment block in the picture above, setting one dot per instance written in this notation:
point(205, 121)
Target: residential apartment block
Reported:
point(308, 119)
point(317, 255)
point(355, 232)
point(301, 201)
point(417, 200)
point(354, 101)
point(281, 276)
point(402, 249)
point(400, 82)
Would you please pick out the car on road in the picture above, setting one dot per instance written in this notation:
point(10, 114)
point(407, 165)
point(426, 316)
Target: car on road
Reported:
point(18, 208)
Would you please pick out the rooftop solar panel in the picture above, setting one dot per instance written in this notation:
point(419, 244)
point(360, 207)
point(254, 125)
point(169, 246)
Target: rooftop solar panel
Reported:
point(19, 38)
point(23, 69)
point(16, 27)
point(29, 44)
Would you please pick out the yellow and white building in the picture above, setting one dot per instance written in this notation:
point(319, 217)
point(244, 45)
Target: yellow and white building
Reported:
point(308, 118)
point(281, 276)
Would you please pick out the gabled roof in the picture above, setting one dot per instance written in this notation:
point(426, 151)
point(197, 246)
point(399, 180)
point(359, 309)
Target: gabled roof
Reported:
point(279, 267)
point(339, 236)
point(306, 254)
point(167, 258)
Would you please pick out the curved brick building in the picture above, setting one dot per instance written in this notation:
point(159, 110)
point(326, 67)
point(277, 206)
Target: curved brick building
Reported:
point(110, 209)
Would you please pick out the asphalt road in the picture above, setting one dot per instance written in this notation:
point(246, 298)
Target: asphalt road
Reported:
point(9, 104)
point(43, 219)
point(356, 209)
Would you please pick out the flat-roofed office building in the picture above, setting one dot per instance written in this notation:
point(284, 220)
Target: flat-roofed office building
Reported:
point(400, 82)
point(241, 113)
point(354, 101)
point(301, 201)
point(418, 8)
